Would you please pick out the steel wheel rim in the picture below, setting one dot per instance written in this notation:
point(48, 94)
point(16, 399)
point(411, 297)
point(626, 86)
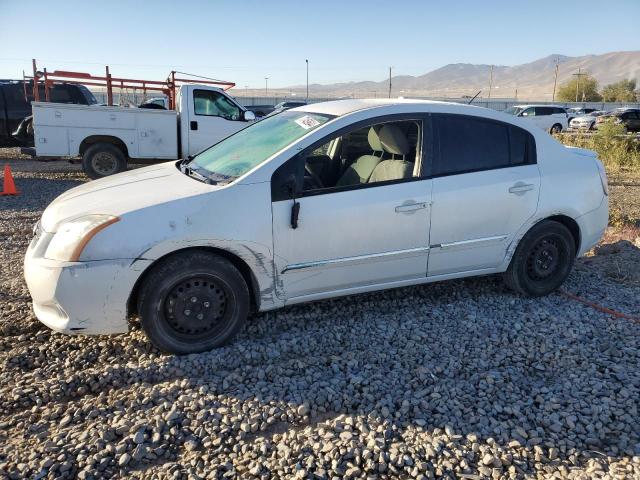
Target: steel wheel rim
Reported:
point(545, 259)
point(104, 163)
point(197, 307)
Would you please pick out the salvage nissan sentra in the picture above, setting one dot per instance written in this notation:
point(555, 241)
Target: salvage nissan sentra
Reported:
point(324, 200)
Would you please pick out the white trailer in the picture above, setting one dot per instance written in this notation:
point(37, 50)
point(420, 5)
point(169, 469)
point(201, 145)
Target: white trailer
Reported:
point(108, 137)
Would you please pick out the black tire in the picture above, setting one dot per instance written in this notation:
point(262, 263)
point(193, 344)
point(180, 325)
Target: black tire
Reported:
point(193, 302)
point(103, 159)
point(542, 261)
point(556, 128)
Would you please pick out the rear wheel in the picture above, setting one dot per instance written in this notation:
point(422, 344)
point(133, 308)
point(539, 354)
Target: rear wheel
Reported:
point(193, 302)
point(542, 261)
point(557, 128)
point(103, 159)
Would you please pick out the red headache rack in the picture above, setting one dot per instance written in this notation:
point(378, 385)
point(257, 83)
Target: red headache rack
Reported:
point(168, 87)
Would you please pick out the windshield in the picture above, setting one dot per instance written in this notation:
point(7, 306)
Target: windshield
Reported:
point(513, 110)
point(239, 153)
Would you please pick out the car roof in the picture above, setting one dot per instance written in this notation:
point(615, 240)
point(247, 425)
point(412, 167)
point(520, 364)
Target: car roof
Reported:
point(344, 107)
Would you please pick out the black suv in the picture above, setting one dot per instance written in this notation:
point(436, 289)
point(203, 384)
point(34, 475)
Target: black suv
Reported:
point(629, 117)
point(15, 108)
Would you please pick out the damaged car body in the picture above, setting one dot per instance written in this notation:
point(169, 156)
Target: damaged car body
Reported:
point(320, 201)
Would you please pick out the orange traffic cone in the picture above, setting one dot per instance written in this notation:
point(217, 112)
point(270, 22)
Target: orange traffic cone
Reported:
point(9, 185)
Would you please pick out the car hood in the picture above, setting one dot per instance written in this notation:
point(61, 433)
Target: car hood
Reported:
point(122, 193)
point(584, 118)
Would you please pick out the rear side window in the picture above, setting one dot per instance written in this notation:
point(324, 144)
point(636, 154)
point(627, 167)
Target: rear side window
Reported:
point(467, 144)
point(60, 94)
point(544, 111)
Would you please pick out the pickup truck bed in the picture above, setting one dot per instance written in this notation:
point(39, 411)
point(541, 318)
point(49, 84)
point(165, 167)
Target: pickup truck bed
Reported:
point(144, 133)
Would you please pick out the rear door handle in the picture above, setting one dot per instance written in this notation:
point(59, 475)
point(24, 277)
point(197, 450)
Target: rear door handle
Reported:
point(410, 207)
point(193, 125)
point(521, 188)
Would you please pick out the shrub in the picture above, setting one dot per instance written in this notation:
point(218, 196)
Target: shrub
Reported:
point(615, 149)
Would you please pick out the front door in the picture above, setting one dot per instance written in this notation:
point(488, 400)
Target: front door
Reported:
point(486, 186)
point(362, 220)
point(213, 117)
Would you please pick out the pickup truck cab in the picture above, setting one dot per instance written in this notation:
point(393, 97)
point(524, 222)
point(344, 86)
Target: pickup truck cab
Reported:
point(108, 137)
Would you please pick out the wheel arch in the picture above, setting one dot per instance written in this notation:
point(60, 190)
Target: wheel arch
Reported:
point(571, 225)
point(239, 263)
point(113, 140)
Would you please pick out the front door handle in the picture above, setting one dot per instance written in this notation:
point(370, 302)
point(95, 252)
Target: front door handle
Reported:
point(194, 125)
point(411, 207)
point(521, 188)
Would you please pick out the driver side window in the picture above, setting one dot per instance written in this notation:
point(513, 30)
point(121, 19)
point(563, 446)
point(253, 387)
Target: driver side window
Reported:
point(384, 152)
point(214, 104)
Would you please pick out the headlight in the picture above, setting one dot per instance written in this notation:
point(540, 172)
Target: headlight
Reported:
point(71, 237)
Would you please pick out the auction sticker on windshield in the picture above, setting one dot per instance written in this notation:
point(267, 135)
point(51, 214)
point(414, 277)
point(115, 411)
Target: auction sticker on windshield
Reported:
point(307, 122)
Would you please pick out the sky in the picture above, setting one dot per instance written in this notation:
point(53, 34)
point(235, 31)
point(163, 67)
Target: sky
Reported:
point(347, 40)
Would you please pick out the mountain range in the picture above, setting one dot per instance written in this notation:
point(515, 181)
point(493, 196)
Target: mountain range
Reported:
point(533, 80)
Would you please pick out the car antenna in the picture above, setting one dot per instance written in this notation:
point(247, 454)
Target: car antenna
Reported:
point(474, 97)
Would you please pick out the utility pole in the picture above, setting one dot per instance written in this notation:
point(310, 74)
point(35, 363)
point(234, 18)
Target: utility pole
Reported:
point(307, 61)
point(389, 82)
point(579, 74)
point(555, 82)
point(490, 81)
point(266, 89)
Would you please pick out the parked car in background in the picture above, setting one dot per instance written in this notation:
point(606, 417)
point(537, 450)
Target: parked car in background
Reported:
point(161, 103)
point(108, 137)
point(261, 110)
point(587, 121)
point(574, 112)
point(16, 128)
point(287, 105)
point(409, 192)
point(282, 106)
point(552, 118)
point(629, 117)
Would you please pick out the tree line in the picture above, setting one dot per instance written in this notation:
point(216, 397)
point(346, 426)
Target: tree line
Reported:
point(584, 88)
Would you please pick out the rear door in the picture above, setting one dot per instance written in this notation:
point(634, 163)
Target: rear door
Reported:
point(485, 187)
point(212, 117)
point(543, 117)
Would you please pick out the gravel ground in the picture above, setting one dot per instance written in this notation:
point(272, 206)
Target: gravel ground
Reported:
point(458, 379)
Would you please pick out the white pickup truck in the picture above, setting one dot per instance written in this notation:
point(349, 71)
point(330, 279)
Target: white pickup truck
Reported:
point(108, 137)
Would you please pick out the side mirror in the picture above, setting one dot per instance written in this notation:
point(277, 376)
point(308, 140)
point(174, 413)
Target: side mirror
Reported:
point(523, 114)
point(290, 187)
point(248, 116)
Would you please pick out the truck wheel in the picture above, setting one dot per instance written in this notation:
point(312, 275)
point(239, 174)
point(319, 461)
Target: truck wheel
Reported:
point(542, 261)
point(193, 302)
point(103, 159)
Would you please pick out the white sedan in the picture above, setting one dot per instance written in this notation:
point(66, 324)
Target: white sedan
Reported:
point(587, 121)
point(320, 201)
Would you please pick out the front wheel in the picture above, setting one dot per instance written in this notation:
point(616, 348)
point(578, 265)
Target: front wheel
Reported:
point(193, 302)
point(542, 261)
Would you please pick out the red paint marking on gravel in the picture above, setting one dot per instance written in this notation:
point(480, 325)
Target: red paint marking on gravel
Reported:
point(600, 308)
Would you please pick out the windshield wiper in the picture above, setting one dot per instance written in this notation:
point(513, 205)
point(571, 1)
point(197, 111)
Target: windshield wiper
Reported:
point(193, 173)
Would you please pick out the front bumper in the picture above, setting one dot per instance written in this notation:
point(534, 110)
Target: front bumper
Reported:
point(81, 297)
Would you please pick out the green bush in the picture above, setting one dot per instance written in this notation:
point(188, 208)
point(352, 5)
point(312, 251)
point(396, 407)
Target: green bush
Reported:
point(617, 150)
